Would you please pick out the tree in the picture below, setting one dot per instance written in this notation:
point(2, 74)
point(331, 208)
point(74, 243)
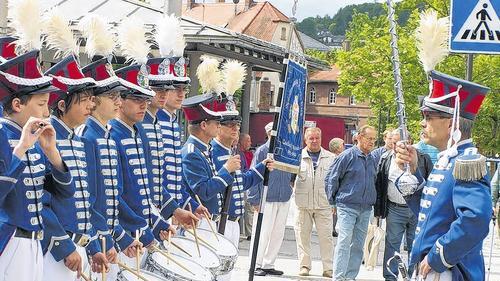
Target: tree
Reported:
point(308, 27)
point(366, 72)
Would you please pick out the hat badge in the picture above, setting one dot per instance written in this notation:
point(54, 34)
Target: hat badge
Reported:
point(109, 67)
point(164, 67)
point(142, 77)
point(179, 67)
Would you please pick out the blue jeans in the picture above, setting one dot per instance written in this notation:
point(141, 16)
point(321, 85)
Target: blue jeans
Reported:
point(400, 220)
point(353, 226)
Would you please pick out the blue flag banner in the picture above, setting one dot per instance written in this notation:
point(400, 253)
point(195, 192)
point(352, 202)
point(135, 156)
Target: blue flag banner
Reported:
point(289, 137)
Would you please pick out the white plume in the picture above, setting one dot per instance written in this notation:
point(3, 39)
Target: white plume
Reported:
point(100, 38)
point(169, 36)
point(58, 34)
point(25, 19)
point(209, 75)
point(432, 39)
point(133, 40)
point(234, 73)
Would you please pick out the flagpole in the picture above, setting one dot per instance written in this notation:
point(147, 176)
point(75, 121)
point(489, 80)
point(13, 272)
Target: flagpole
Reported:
point(270, 153)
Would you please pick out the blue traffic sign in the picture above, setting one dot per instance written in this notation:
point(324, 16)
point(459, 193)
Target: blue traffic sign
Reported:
point(475, 26)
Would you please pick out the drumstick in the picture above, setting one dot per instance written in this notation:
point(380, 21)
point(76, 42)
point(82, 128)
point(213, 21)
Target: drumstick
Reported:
point(168, 243)
point(124, 266)
point(205, 213)
point(169, 257)
point(180, 248)
point(103, 244)
point(195, 235)
point(137, 262)
point(85, 277)
point(202, 240)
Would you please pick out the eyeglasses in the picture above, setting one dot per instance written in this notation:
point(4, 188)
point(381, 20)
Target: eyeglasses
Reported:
point(427, 116)
point(232, 125)
point(369, 139)
point(138, 100)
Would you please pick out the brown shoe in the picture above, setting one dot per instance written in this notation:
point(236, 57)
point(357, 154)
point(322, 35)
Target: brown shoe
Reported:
point(304, 271)
point(328, 273)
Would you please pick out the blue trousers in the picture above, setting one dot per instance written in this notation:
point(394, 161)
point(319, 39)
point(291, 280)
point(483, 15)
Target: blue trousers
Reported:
point(399, 221)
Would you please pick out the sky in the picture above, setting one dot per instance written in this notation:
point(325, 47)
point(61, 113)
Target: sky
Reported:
point(312, 8)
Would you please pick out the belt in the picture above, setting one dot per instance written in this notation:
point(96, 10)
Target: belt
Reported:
point(35, 235)
point(217, 218)
point(398, 205)
point(81, 240)
point(233, 218)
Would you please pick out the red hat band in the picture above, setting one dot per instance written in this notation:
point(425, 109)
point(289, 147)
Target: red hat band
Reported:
point(7, 47)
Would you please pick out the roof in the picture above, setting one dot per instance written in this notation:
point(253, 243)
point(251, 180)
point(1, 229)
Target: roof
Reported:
point(311, 43)
point(260, 20)
point(331, 75)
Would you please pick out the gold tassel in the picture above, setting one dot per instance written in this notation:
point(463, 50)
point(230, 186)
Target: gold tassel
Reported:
point(470, 166)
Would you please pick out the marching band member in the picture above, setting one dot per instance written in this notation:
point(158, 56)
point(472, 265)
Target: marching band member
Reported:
point(160, 81)
point(199, 172)
point(223, 146)
point(120, 219)
point(71, 105)
point(124, 131)
point(36, 165)
point(453, 204)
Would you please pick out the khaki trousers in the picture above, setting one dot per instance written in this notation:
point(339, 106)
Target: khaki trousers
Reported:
point(305, 219)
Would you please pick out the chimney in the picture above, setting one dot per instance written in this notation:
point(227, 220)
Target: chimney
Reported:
point(174, 7)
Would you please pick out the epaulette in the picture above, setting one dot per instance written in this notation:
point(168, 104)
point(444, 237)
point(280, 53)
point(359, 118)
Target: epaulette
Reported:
point(470, 166)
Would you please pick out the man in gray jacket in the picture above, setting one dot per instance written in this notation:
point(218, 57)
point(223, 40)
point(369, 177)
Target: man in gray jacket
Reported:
point(350, 185)
point(313, 207)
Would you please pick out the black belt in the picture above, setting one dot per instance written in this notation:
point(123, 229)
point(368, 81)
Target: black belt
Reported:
point(232, 218)
point(217, 218)
point(79, 239)
point(21, 233)
point(398, 205)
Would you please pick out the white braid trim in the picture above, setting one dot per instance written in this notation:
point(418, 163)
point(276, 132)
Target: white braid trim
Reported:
point(25, 81)
point(74, 82)
point(133, 86)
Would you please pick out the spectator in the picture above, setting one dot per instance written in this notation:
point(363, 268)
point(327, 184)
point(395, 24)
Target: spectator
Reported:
point(246, 156)
point(388, 145)
point(245, 143)
point(391, 206)
point(276, 208)
point(313, 207)
point(336, 146)
point(427, 149)
point(350, 185)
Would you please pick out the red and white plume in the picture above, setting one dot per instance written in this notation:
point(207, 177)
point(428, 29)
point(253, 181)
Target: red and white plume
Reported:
point(432, 39)
point(169, 36)
point(58, 34)
point(26, 20)
point(100, 38)
point(132, 39)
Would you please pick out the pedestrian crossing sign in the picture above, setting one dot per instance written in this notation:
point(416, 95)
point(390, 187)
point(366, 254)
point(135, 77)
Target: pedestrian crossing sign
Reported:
point(475, 26)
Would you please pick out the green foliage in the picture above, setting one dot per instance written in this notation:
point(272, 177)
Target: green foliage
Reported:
point(329, 57)
point(367, 73)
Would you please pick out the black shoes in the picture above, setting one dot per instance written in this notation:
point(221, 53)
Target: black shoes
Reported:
point(335, 234)
point(264, 272)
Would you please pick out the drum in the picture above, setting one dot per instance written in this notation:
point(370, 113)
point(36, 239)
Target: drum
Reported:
point(125, 275)
point(209, 259)
point(228, 253)
point(159, 264)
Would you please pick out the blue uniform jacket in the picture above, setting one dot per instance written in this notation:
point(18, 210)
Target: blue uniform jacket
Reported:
point(154, 145)
point(201, 176)
point(453, 219)
point(21, 200)
point(120, 219)
point(77, 215)
point(350, 180)
point(171, 134)
point(280, 182)
point(136, 182)
point(243, 181)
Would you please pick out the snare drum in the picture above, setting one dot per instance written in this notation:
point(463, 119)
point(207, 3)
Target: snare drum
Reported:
point(159, 264)
point(125, 275)
point(228, 253)
point(209, 258)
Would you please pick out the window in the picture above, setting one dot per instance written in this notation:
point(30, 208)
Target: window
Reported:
point(332, 97)
point(312, 95)
point(283, 33)
point(352, 101)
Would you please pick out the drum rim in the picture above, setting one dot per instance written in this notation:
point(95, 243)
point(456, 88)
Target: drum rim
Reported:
point(150, 257)
point(223, 237)
point(161, 278)
point(201, 245)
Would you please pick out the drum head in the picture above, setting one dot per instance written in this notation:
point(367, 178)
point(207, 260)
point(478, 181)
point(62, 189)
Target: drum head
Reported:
point(199, 273)
point(129, 276)
point(208, 259)
point(224, 246)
